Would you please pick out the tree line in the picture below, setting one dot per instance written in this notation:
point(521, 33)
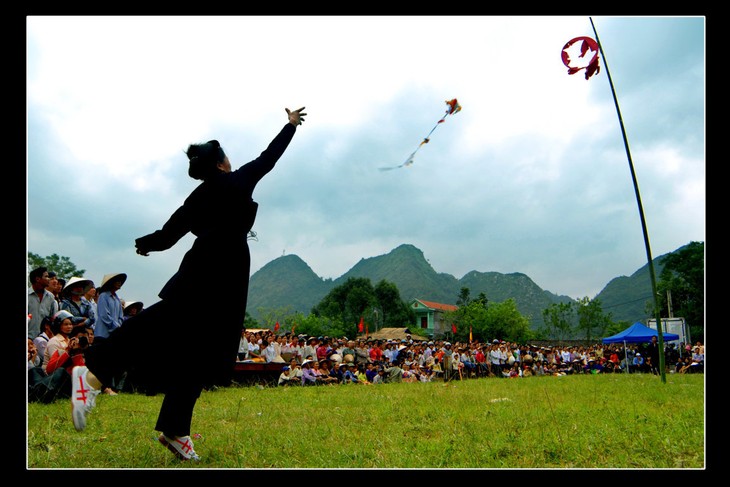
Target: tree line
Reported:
point(358, 304)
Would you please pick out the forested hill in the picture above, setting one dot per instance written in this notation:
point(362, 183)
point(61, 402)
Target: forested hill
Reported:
point(288, 282)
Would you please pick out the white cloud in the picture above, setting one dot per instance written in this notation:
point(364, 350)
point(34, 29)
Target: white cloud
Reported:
point(531, 176)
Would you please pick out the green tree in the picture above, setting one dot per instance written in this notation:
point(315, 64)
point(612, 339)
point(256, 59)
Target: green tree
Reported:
point(683, 277)
point(394, 311)
point(357, 298)
point(463, 299)
point(591, 319)
point(505, 322)
point(558, 319)
point(62, 266)
point(313, 325)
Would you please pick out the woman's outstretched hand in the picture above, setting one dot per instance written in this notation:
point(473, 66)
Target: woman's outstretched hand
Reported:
point(296, 117)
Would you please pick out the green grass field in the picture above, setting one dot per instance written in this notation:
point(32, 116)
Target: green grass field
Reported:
point(613, 421)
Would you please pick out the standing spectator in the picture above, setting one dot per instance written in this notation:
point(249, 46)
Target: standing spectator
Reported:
point(41, 302)
point(110, 312)
point(348, 353)
point(310, 349)
point(110, 316)
point(72, 301)
point(447, 362)
point(495, 360)
point(90, 299)
point(480, 360)
point(376, 352)
point(323, 349)
point(243, 346)
point(652, 351)
point(55, 285)
point(362, 355)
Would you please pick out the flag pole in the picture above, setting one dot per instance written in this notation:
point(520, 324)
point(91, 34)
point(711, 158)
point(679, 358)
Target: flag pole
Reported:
point(652, 274)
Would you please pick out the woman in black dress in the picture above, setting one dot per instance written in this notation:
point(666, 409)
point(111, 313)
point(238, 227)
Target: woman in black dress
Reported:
point(183, 343)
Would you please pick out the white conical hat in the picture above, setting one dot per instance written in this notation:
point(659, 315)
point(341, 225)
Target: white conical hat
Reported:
point(109, 277)
point(75, 281)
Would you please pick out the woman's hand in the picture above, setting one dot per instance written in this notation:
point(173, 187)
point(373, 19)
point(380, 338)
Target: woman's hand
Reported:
point(296, 117)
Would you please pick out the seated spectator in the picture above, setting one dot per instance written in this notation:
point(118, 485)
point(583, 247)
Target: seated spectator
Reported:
point(327, 377)
point(308, 376)
point(371, 370)
point(409, 373)
point(132, 308)
point(63, 352)
point(295, 371)
point(41, 340)
point(697, 362)
point(285, 378)
point(637, 365)
point(393, 373)
point(379, 377)
point(349, 375)
point(362, 378)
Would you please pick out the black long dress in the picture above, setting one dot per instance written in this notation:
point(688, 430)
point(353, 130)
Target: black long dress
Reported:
point(190, 338)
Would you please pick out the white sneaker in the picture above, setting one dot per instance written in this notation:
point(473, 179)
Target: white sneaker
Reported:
point(181, 446)
point(83, 397)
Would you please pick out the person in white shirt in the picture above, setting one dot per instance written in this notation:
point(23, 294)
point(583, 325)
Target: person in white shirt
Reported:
point(243, 346)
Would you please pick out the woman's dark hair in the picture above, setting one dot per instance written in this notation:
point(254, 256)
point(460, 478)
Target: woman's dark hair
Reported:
point(204, 159)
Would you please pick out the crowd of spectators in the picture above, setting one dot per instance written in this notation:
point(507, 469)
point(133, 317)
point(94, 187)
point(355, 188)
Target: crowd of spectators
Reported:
point(329, 360)
point(64, 319)
point(308, 360)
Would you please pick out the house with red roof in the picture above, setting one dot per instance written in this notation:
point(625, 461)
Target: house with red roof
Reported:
point(430, 316)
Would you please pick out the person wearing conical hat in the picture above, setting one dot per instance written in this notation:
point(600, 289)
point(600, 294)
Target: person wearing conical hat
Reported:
point(109, 308)
point(72, 300)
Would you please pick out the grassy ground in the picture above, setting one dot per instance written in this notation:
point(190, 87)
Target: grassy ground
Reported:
point(614, 421)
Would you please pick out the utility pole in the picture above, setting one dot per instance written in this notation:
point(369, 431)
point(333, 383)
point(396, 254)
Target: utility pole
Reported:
point(669, 303)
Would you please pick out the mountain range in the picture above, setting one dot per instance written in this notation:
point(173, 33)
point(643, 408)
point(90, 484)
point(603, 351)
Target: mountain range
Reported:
point(287, 282)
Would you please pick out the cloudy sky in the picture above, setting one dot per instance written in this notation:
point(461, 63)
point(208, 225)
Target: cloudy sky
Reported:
point(531, 176)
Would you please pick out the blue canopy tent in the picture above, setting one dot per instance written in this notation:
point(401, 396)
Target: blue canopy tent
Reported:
point(638, 333)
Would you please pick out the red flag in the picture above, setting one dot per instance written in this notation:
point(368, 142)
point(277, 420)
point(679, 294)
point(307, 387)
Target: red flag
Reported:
point(276, 326)
point(360, 326)
point(453, 328)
